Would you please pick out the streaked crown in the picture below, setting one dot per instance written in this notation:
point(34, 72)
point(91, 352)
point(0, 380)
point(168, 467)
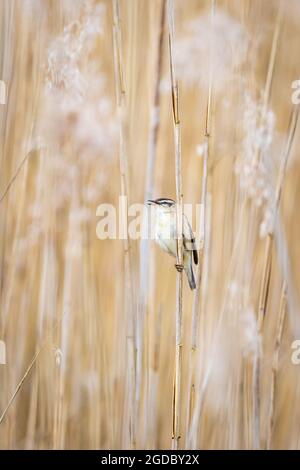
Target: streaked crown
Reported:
point(165, 202)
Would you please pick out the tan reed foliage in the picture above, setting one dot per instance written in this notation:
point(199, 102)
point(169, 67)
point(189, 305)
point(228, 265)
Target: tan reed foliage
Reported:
point(106, 346)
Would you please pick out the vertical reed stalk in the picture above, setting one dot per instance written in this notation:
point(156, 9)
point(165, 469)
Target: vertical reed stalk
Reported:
point(179, 220)
point(275, 364)
point(270, 72)
point(121, 104)
point(266, 97)
point(265, 284)
point(269, 242)
point(149, 188)
point(267, 268)
point(198, 302)
point(267, 262)
point(198, 294)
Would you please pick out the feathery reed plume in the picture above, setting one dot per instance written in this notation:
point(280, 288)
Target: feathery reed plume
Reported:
point(265, 124)
point(268, 246)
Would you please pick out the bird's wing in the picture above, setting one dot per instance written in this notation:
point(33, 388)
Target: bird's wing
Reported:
point(189, 238)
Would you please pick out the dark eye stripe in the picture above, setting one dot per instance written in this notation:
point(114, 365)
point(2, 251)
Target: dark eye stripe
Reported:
point(168, 202)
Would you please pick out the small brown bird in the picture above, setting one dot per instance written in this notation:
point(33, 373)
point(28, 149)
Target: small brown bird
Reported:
point(165, 234)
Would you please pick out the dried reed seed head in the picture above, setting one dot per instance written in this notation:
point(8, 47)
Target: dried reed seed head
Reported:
point(249, 337)
point(213, 42)
point(77, 102)
point(255, 164)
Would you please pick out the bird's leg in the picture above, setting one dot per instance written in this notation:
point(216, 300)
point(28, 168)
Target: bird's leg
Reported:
point(179, 267)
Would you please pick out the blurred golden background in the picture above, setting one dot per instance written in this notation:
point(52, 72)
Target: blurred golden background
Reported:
point(89, 325)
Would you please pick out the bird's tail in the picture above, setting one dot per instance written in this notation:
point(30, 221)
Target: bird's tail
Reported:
point(190, 275)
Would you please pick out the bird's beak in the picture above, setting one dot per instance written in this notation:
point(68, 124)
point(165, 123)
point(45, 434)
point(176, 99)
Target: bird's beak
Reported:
point(150, 202)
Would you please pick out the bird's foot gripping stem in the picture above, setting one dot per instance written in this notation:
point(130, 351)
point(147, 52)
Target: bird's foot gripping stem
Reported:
point(179, 267)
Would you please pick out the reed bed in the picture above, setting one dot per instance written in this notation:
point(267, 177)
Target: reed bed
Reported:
point(106, 346)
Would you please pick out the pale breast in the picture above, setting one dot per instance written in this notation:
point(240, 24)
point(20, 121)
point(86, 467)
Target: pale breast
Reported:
point(167, 245)
point(164, 234)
